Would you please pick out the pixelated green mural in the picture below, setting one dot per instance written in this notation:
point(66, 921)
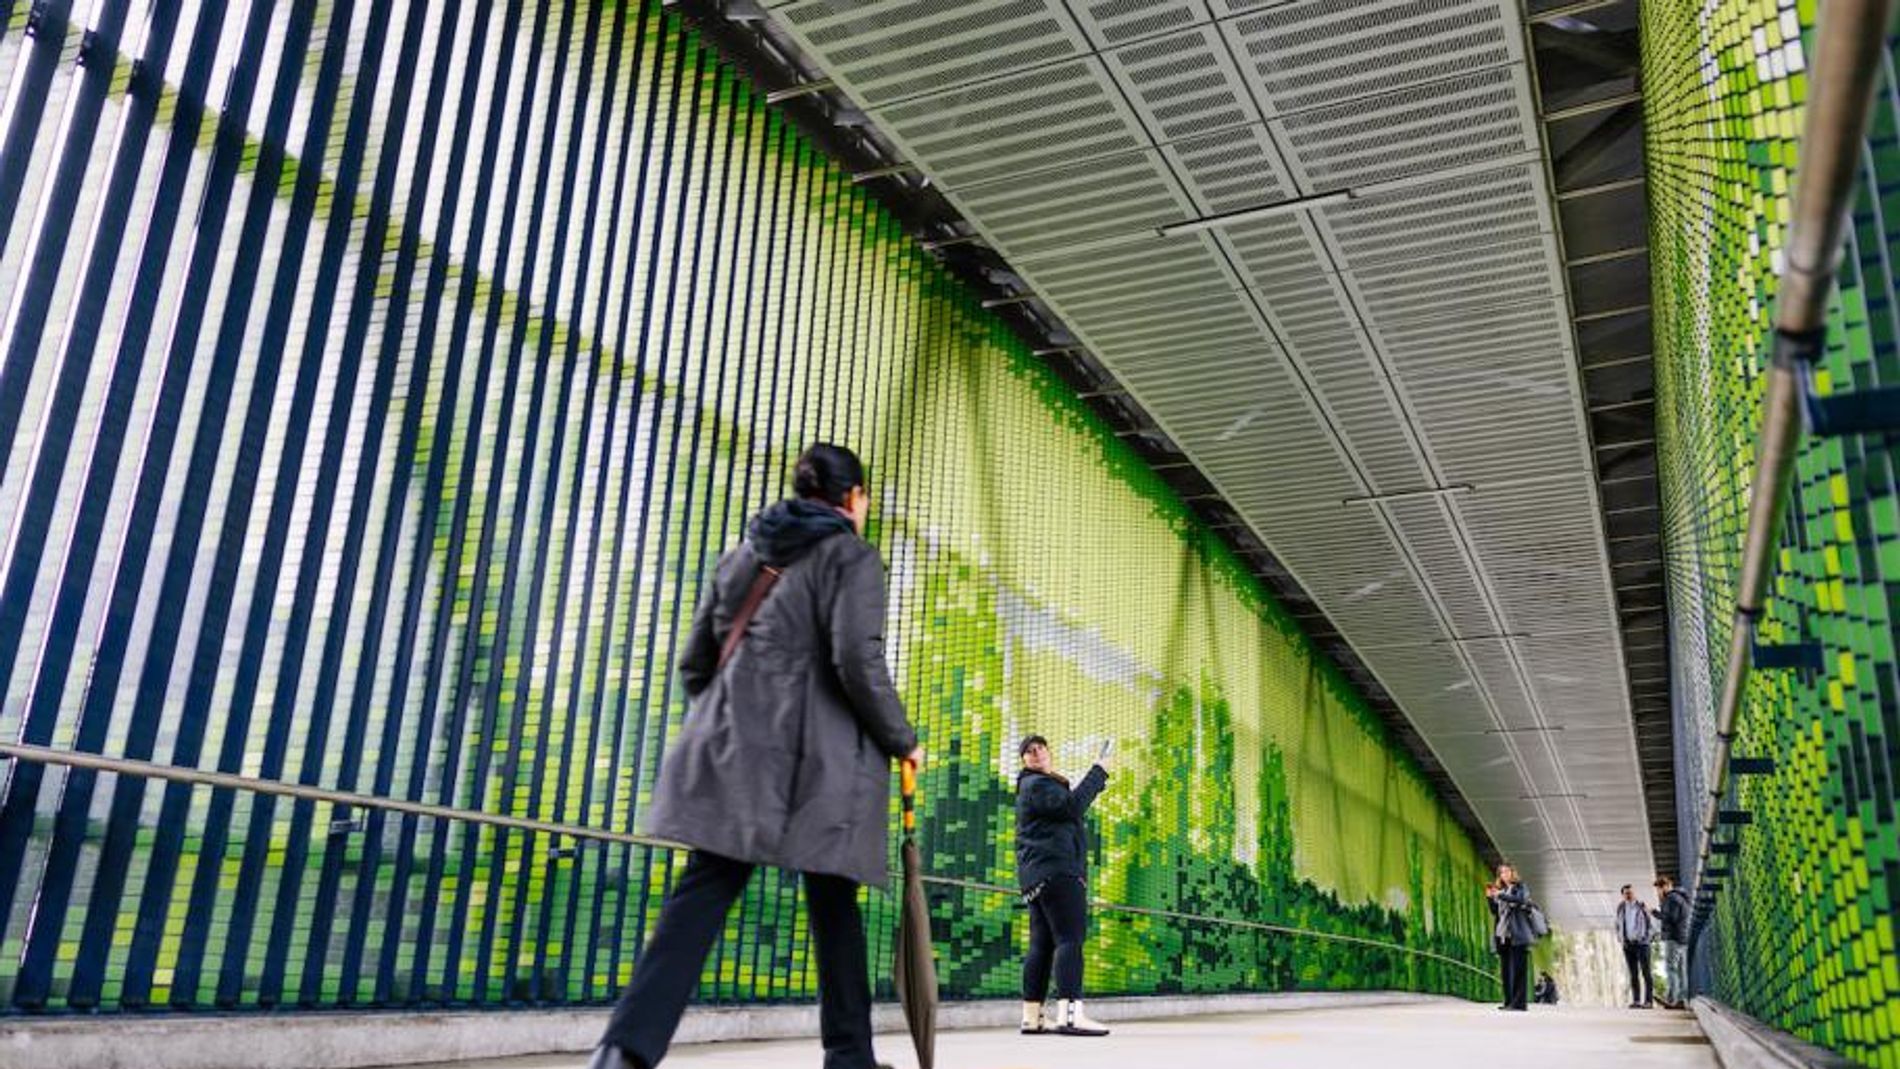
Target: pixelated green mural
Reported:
point(397, 470)
point(1803, 935)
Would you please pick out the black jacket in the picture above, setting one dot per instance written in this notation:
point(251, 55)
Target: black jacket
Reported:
point(785, 758)
point(1513, 908)
point(1675, 916)
point(1051, 839)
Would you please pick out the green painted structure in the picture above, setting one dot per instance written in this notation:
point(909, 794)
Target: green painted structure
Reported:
point(377, 413)
point(1802, 935)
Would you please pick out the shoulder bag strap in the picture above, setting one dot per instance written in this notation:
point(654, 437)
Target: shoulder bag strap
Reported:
point(761, 586)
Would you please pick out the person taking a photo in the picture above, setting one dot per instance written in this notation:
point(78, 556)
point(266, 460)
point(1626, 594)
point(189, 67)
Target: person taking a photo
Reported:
point(1052, 852)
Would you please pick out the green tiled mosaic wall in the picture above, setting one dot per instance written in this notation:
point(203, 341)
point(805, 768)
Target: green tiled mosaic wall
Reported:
point(374, 428)
point(1803, 936)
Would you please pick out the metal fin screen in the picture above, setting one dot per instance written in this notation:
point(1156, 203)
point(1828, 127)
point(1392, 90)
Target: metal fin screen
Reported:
point(381, 380)
point(1803, 933)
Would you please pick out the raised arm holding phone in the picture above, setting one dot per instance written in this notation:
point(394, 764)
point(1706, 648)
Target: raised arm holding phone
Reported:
point(1052, 870)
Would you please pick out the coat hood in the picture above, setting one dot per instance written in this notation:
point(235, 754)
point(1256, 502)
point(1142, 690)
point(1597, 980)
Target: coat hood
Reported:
point(788, 530)
point(1026, 772)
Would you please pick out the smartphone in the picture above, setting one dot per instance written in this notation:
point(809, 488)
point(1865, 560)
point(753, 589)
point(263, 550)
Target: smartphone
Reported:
point(1108, 747)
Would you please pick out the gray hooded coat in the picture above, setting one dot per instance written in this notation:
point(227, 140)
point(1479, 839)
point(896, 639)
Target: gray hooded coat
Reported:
point(785, 756)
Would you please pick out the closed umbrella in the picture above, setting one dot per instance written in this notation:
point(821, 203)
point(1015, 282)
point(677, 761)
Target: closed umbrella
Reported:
point(916, 967)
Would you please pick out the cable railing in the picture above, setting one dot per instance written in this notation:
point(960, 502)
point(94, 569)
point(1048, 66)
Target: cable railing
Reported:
point(154, 770)
point(1850, 40)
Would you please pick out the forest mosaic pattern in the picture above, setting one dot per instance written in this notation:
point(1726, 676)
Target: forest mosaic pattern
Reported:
point(429, 369)
point(1803, 933)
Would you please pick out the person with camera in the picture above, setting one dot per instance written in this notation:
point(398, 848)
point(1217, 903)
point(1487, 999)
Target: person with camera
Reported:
point(1515, 932)
point(1052, 852)
point(1674, 918)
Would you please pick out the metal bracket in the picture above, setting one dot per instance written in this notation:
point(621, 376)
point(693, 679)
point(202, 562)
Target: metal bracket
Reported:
point(1751, 766)
point(1734, 816)
point(1725, 848)
point(895, 170)
point(1798, 350)
point(1806, 656)
point(1870, 411)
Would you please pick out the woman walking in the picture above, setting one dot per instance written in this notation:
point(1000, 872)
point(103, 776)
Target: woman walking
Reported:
point(784, 759)
point(1052, 869)
point(1514, 934)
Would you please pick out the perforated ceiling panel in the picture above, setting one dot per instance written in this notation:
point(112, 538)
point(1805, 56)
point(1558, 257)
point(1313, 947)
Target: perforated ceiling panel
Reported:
point(1377, 371)
point(1310, 55)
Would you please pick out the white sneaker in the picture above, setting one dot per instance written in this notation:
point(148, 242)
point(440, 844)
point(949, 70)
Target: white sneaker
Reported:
point(1071, 1021)
point(1034, 1023)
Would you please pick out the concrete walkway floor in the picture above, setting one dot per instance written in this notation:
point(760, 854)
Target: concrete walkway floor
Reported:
point(1448, 1034)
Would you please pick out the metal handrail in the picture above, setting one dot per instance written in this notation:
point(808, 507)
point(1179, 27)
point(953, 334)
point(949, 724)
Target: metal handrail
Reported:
point(1850, 41)
point(126, 766)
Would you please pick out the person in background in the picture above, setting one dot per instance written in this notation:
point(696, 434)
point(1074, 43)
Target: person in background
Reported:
point(1674, 915)
point(1546, 990)
point(1634, 930)
point(1052, 850)
point(784, 759)
point(1514, 934)
point(1497, 944)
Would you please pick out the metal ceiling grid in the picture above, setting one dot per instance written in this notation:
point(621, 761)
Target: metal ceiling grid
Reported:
point(1379, 374)
point(1115, 22)
point(1429, 527)
point(1355, 570)
point(1015, 126)
point(1184, 85)
point(1472, 752)
point(1501, 203)
point(1102, 280)
point(1549, 561)
point(1397, 135)
point(1308, 55)
point(1286, 267)
point(1231, 170)
point(1074, 206)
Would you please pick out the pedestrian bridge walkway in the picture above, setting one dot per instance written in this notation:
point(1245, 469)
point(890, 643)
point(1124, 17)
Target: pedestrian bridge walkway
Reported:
point(1441, 1033)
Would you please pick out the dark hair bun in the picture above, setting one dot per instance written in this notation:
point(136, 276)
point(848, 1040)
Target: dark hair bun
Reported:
point(827, 472)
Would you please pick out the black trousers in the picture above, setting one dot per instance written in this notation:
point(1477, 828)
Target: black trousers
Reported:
point(695, 912)
point(1515, 964)
point(1058, 923)
point(1636, 956)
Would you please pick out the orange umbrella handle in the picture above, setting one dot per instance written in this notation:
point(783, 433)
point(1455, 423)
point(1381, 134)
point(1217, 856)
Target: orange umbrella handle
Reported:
point(907, 778)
